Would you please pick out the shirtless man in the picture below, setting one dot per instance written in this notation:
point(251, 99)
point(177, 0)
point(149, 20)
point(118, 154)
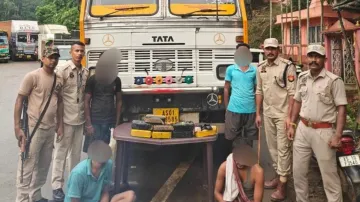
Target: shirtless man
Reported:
point(241, 182)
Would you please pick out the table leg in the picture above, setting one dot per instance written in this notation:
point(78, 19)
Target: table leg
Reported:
point(204, 164)
point(125, 165)
point(210, 167)
point(118, 165)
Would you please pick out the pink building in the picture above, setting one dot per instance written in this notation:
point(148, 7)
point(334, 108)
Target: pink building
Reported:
point(338, 61)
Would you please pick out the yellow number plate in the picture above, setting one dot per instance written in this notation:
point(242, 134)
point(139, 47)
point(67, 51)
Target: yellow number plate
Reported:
point(171, 114)
point(28, 56)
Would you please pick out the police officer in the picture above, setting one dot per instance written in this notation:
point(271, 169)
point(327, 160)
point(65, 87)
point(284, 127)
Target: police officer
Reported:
point(37, 86)
point(320, 99)
point(276, 78)
point(74, 77)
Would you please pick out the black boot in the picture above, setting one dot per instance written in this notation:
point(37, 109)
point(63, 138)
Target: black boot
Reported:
point(58, 195)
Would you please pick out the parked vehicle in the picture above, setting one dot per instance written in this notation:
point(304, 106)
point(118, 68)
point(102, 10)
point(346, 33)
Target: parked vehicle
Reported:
point(4, 46)
point(349, 165)
point(22, 37)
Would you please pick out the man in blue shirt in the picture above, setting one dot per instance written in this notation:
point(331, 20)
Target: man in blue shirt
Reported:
point(90, 180)
point(241, 109)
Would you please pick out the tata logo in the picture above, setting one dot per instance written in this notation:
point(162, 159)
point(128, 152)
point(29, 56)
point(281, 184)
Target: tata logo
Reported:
point(157, 39)
point(108, 40)
point(219, 39)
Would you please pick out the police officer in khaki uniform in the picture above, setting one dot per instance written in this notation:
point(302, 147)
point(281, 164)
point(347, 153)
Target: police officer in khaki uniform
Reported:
point(74, 78)
point(276, 79)
point(320, 99)
point(37, 86)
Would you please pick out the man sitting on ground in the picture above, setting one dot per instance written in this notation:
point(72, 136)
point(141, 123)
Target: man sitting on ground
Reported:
point(90, 180)
point(240, 178)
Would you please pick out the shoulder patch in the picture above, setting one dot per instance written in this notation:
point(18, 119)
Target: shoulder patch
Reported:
point(304, 73)
point(332, 76)
point(261, 63)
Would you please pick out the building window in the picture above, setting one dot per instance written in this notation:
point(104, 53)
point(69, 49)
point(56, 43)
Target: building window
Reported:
point(295, 39)
point(315, 34)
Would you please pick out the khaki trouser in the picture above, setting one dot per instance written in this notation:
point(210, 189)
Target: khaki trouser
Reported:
point(307, 140)
point(68, 150)
point(36, 167)
point(278, 144)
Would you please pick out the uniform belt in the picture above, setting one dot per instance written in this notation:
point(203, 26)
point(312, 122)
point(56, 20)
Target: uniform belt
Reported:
point(316, 125)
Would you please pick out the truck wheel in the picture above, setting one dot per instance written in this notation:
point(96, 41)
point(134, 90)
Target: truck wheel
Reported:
point(6, 61)
point(140, 125)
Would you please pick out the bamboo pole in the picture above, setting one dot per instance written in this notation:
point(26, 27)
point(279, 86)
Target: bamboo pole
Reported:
point(300, 40)
point(270, 18)
point(292, 29)
point(282, 28)
point(322, 22)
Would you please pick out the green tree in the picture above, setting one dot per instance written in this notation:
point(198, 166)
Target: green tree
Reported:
point(64, 12)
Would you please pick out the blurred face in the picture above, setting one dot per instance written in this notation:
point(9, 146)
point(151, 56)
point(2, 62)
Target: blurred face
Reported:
point(271, 53)
point(243, 56)
point(77, 53)
point(51, 61)
point(316, 61)
point(96, 165)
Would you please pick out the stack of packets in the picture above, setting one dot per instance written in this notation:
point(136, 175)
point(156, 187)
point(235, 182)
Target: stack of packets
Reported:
point(153, 126)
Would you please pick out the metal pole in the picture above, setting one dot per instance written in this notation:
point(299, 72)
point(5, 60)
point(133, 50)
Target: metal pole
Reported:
point(322, 22)
point(300, 40)
point(282, 28)
point(308, 21)
point(292, 30)
point(270, 18)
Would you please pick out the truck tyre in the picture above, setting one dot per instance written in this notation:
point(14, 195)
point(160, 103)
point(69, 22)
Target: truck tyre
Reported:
point(140, 125)
point(184, 127)
point(6, 61)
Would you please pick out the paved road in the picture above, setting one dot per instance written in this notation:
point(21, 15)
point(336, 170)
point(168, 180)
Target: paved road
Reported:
point(149, 169)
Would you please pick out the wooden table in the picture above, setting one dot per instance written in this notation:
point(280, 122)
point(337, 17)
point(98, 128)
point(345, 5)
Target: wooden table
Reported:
point(123, 138)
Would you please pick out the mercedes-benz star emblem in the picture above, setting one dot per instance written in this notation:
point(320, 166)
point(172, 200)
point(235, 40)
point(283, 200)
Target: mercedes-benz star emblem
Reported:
point(219, 39)
point(212, 99)
point(108, 40)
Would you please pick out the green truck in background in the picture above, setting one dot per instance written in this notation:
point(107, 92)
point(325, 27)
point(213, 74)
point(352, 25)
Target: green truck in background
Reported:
point(4, 47)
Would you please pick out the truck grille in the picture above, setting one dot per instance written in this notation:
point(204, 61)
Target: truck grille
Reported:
point(183, 59)
point(123, 66)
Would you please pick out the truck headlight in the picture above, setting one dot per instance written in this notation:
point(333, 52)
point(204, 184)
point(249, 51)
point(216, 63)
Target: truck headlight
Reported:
point(221, 71)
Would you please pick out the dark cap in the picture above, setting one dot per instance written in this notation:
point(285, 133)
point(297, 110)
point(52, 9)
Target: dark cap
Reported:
point(99, 151)
point(244, 155)
point(51, 51)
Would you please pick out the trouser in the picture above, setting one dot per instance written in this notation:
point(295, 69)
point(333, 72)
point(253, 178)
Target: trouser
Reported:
point(67, 151)
point(36, 167)
point(307, 140)
point(279, 145)
point(240, 128)
point(102, 132)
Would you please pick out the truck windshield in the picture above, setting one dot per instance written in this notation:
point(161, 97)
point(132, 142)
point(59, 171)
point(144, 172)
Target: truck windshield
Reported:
point(103, 7)
point(3, 41)
point(181, 7)
point(64, 54)
point(25, 39)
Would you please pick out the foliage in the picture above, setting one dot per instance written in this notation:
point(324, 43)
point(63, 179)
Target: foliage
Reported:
point(259, 26)
point(64, 12)
point(351, 113)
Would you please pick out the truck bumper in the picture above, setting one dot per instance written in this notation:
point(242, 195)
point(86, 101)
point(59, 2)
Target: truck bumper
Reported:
point(138, 91)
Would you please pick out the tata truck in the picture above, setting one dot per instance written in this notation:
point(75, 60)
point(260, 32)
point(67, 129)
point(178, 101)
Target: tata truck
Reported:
point(50, 32)
point(4, 47)
point(22, 37)
point(174, 53)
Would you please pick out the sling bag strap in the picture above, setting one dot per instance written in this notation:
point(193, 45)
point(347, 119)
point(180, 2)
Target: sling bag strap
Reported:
point(43, 112)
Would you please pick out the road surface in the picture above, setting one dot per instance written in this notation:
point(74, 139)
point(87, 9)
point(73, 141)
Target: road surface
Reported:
point(149, 169)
